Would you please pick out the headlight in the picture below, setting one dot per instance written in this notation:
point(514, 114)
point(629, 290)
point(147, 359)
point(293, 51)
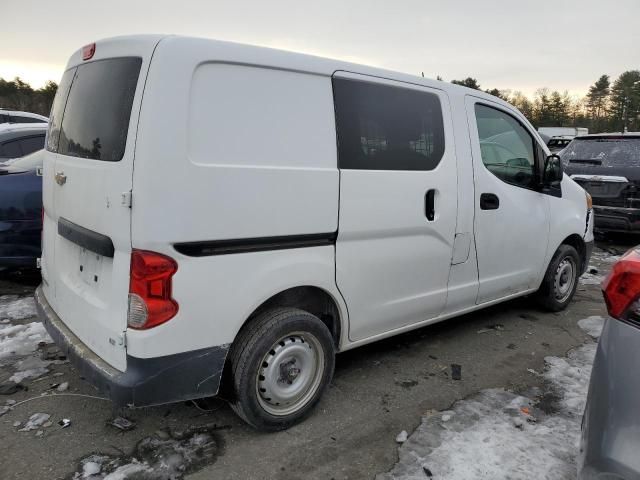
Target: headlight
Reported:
point(589, 200)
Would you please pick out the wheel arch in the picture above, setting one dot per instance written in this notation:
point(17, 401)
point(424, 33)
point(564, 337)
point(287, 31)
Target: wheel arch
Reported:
point(576, 241)
point(309, 298)
point(315, 300)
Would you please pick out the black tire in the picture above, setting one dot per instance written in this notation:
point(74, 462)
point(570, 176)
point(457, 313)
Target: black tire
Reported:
point(550, 295)
point(256, 343)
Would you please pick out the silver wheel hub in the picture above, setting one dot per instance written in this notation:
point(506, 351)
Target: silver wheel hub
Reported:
point(290, 374)
point(564, 279)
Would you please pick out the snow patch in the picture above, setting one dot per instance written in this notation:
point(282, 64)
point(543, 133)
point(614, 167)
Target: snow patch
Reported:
point(497, 434)
point(21, 340)
point(592, 325)
point(31, 367)
point(591, 279)
point(167, 458)
point(18, 340)
point(14, 308)
point(606, 257)
point(35, 421)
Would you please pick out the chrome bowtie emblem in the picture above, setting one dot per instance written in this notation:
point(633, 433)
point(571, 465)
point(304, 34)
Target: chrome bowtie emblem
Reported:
point(61, 178)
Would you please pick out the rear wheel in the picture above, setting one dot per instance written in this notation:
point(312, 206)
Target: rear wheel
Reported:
point(281, 364)
point(561, 279)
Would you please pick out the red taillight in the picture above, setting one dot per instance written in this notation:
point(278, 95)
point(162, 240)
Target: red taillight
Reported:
point(150, 302)
point(88, 51)
point(621, 288)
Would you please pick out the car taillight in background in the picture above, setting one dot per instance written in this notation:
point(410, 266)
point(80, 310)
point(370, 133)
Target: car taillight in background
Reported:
point(150, 302)
point(621, 288)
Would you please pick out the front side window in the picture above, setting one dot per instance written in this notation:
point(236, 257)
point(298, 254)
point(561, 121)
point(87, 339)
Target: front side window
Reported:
point(11, 149)
point(382, 127)
point(32, 144)
point(16, 119)
point(96, 110)
point(506, 146)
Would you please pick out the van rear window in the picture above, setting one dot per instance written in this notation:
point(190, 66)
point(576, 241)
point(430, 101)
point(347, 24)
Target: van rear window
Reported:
point(90, 115)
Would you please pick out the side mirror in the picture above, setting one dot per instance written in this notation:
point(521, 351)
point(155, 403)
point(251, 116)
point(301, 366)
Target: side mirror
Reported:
point(552, 173)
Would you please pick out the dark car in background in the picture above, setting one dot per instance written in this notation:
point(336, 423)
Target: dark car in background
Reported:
point(557, 144)
point(611, 424)
point(21, 212)
point(13, 116)
point(608, 167)
point(18, 140)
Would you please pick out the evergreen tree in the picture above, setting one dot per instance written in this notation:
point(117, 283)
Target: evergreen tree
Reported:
point(467, 82)
point(625, 101)
point(542, 110)
point(597, 101)
point(19, 95)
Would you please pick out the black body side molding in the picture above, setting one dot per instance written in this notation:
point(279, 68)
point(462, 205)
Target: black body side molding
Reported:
point(94, 241)
point(261, 244)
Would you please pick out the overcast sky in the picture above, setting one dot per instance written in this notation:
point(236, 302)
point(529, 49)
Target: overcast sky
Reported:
point(514, 44)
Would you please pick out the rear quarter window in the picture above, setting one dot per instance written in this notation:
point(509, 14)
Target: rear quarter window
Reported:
point(91, 119)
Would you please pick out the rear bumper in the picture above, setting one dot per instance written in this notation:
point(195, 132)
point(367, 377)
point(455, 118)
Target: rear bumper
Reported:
point(146, 381)
point(617, 219)
point(610, 426)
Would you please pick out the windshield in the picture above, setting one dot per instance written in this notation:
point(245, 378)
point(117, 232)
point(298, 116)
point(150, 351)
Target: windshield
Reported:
point(606, 152)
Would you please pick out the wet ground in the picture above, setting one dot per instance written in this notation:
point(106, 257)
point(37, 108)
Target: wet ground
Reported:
point(378, 391)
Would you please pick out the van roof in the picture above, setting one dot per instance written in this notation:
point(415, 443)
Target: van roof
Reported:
point(256, 55)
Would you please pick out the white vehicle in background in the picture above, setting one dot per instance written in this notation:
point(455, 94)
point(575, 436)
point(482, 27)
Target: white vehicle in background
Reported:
point(13, 116)
point(235, 241)
point(557, 144)
point(568, 132)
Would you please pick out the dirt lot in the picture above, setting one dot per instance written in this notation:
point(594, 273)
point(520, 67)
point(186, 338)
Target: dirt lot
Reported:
point(377, 391)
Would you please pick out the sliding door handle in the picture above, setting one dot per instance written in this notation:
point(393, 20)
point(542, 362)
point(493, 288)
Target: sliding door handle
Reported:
point(430, 205)
point(489, 201)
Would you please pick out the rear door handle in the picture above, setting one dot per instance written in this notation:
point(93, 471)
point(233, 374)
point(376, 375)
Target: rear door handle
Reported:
point(489, 201)
point(430, 205)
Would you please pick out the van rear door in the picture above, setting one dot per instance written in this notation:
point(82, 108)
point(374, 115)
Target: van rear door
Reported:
point(91, 142)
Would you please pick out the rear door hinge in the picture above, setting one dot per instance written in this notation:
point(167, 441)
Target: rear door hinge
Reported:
point(126, 199)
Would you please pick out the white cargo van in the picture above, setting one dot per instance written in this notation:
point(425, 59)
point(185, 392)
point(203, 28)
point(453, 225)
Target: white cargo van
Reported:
point(220, 214)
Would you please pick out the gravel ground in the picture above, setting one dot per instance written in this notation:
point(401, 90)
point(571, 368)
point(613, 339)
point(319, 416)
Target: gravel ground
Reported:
point(378, 391)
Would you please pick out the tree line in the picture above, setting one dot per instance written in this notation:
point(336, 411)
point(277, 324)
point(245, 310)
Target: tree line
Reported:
point(607, 107)
point(19, 95)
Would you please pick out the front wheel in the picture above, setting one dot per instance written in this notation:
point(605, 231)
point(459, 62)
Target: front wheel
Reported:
point(561, 279)
point(281, 364)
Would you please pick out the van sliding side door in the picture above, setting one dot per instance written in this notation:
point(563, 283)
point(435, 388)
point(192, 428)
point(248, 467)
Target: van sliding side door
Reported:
point(398, 202)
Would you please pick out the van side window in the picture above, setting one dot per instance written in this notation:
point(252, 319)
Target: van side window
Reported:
point(32, 144)
point(382, 127)
point(506, 146)
point(11, 149)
